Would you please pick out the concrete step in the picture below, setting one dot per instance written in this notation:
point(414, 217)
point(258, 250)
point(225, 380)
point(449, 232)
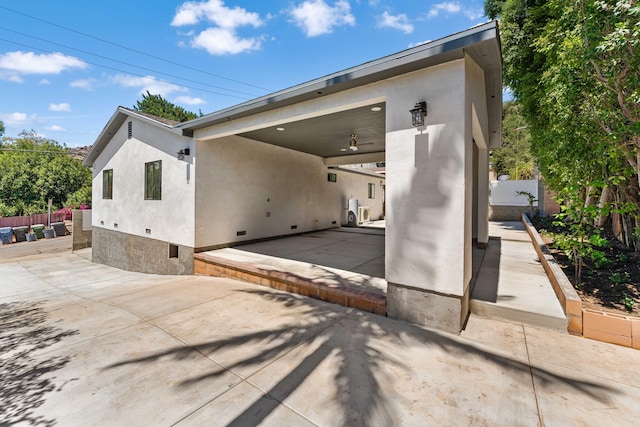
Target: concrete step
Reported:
point(305, 279)
point(511, 284)
point(510, 314)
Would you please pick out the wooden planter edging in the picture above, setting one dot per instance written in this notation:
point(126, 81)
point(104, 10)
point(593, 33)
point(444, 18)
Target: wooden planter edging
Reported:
point(208, 265)
point(595, 324)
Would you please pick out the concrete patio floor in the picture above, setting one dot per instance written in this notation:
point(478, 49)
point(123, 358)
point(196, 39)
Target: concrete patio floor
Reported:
point(508, 280)
point(88, 345)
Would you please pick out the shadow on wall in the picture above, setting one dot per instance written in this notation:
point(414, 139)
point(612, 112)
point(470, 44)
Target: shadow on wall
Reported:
point(25, 378)
point(427, 193)
point(362, 361)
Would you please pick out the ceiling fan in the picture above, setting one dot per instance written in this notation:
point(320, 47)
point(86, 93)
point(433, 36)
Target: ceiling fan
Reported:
point(353, 143)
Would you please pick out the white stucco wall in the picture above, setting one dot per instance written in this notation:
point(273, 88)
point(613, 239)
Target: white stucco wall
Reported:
point(426, 182)
point(429, 171)
point(245, 185)
point(170, 219)
point(478, 121)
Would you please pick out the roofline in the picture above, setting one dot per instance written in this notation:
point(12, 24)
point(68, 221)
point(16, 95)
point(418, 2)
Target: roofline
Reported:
point(112, 126)
point(412, 59)
point(429, 54)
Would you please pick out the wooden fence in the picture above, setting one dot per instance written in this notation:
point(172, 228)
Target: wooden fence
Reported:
point(21, 221)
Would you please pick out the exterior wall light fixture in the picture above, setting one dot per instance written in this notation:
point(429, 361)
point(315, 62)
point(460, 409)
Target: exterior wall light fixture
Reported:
point(418, 113)
point(183, 152)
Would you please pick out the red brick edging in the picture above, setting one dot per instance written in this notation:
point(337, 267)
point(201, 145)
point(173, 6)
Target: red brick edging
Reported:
point(595, 324)
point(208, 265)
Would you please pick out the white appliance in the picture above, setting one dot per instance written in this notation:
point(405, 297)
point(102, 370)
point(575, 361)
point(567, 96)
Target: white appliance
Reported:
point(364, 214)
point(352, 214)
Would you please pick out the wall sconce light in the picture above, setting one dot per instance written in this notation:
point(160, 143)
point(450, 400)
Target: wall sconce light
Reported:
point(183, 152)
point(418, 113)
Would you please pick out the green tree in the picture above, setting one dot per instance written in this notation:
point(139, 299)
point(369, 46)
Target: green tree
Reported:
point(33, 170)
point(160, 107)
point(1, 128)
point(574, 67)
point(514, 157)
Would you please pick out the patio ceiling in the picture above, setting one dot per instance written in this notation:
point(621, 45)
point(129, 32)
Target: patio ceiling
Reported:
point(329, 135)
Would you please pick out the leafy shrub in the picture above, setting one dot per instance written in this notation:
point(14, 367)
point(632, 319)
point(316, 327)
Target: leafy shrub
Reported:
point(80, 197)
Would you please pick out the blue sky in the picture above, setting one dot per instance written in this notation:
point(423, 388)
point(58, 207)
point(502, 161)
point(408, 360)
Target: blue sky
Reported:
point(66, 65)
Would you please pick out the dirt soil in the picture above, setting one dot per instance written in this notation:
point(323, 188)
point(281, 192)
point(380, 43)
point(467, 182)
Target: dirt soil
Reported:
point(606, 288)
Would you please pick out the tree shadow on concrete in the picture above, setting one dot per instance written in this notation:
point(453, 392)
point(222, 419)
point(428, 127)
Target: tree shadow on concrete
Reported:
point(349, 342)
point(25, 376)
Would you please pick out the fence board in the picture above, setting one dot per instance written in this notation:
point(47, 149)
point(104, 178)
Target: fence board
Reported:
point(21, 221)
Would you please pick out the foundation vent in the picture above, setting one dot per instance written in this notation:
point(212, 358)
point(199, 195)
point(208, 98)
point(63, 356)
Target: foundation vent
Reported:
point(173, 251)
point(241, 233)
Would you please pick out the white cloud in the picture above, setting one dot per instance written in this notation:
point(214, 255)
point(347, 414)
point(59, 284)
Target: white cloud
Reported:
point(222, 41)
point(31, 63)
point(12, 76)
point(454, 7)
point(44, 82)
point(398, 22)
point(87, 84)
point(474, 14)
point(222, 38)
point(148, 83)
point(16, 119)
point(214, 11)
point(447, 8)
point(60, 107)
point(189, 100)
point(316, 17)
point(56, 128)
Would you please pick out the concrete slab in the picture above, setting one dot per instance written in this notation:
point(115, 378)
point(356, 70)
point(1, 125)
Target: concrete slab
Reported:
point(512, 284)
point(24, 249)
point(223, 352)
point(315, 271)
point(341, 248)
point(245, 405)
point(109, 381)
point(367, 370)
point(266, 331)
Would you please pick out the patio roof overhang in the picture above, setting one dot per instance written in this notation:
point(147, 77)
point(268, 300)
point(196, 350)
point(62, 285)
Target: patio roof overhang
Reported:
point(481, 43)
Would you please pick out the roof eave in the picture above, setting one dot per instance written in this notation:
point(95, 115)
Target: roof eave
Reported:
point(428, 54)
point(112, 126)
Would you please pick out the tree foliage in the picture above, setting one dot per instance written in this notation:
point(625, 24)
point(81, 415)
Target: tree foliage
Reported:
point(574, 66)
point(160, 107)
point(514, 157)
point(33, 170)
point(1, 128)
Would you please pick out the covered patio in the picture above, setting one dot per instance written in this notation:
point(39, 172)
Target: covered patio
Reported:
point(346, 266)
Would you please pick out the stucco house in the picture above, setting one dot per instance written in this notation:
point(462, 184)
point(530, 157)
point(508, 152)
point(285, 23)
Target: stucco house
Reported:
point(272, 166)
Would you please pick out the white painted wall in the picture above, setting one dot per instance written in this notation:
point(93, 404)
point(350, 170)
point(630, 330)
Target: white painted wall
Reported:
point(504, 193)
point(170, 219)
point(477, 179)
point(429, 171)
point(426, 181)
point(245, 185)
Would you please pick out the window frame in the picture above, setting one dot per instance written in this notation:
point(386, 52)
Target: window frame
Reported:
point(107, 184)
point(153, 180)
point(371, 190)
